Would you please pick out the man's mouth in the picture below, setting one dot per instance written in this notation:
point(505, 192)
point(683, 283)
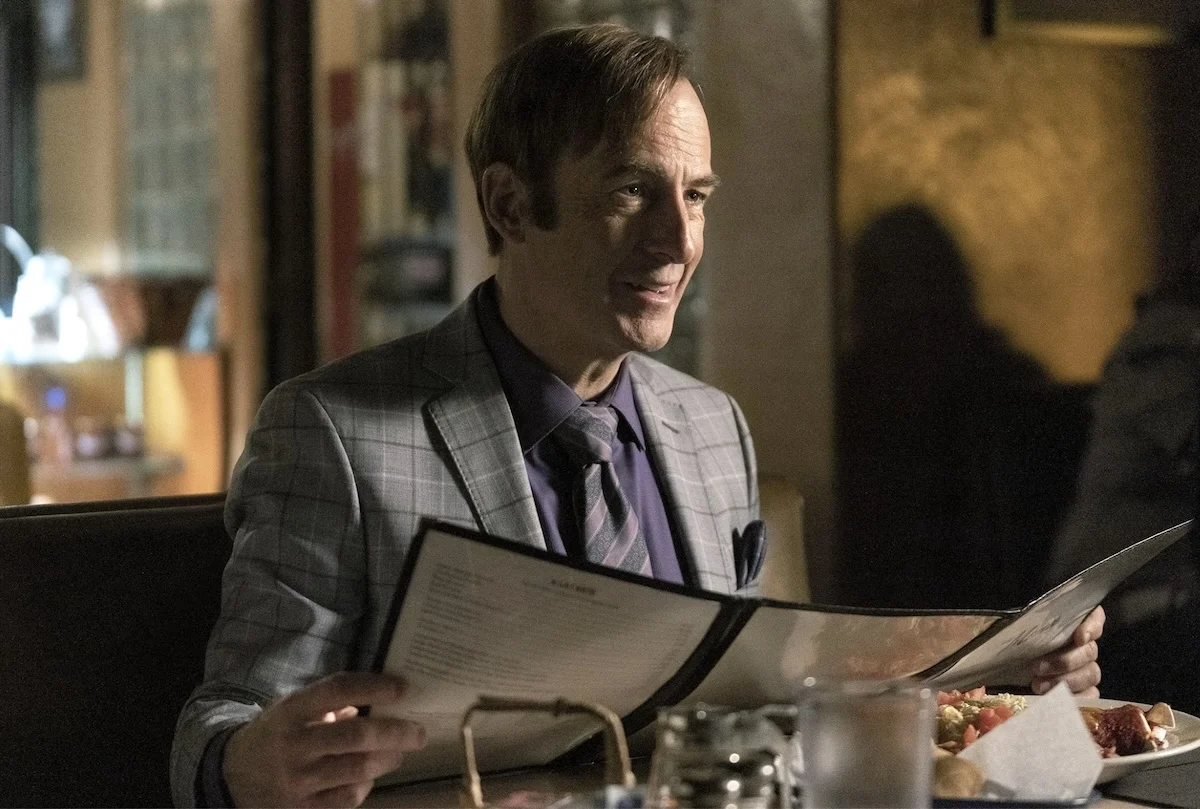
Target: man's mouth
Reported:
point(657, 289)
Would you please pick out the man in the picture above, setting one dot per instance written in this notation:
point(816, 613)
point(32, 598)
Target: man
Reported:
point(590, 154)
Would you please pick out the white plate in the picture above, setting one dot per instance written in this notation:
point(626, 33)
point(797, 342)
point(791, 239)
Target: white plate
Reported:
point(1185, 736)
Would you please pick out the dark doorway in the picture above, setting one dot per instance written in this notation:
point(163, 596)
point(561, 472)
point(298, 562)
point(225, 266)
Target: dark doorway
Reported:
point(18, 147)
point(290, 277)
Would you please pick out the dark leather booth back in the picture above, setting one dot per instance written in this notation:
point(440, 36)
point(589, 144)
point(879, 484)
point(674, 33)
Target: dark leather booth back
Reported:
point(104, 617)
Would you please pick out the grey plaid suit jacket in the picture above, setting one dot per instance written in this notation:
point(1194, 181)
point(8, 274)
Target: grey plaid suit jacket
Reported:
point(342, 463)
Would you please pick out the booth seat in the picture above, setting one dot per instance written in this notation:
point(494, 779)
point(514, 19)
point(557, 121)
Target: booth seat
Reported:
point(785, 573)
point(105, 611)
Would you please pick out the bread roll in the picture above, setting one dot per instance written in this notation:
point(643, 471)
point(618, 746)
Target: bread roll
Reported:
point(955, 777)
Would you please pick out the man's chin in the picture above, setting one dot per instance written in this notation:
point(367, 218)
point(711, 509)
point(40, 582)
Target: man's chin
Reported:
point(645, 335)
point(648, 344)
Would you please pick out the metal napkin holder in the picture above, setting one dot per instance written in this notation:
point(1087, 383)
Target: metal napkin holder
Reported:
point(617, 768)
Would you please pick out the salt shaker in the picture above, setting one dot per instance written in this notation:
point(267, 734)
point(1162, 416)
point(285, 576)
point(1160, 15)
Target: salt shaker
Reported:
point(709, 757)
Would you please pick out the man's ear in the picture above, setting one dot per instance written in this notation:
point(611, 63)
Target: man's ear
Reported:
point(505, 201)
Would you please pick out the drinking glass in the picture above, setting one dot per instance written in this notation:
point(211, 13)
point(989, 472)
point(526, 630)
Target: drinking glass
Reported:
point(711, 757)
point(865, 744)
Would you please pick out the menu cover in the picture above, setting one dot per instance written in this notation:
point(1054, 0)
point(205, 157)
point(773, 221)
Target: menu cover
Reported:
point(474, 614)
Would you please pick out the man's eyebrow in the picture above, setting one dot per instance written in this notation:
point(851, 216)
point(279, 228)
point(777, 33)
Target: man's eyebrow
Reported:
point(638, 167)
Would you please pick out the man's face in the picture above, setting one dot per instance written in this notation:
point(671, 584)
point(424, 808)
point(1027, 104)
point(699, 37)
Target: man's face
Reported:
point(607, 279)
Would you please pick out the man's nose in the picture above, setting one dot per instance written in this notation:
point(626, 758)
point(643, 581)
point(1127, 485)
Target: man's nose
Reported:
point(673, 231)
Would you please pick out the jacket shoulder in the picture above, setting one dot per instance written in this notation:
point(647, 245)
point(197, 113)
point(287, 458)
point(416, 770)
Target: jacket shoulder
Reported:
point(428, 360)
point(671, 383)
point(398, 359)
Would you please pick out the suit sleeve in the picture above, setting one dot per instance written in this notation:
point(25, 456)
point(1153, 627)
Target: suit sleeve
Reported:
point(293, 591)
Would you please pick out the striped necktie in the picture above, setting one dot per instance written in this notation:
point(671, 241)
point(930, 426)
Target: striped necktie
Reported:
point(607, 524)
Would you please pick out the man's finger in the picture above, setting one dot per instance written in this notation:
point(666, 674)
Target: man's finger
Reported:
point(1080, 681)
point(365, 734)
point(349, 712)
point(338, 691)
point(330, 774)
point(1091, 628)
point(1083, 679)
point(343, 796)
point(1067, 660)
point(353, 768)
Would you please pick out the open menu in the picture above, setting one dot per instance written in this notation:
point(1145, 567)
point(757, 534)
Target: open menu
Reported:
point(474, 614)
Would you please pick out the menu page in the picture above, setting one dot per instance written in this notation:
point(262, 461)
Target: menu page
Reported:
point(782, 645)
point(479, 619)
point(1048, 622)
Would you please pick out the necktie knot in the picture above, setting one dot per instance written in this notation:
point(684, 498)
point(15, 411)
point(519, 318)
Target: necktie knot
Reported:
point(587, 434)
point(607, 524)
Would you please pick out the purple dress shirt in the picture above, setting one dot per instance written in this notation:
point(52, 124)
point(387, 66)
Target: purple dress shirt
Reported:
point(540, 401)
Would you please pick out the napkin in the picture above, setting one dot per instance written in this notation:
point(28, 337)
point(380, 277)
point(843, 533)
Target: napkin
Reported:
point(1044, 753)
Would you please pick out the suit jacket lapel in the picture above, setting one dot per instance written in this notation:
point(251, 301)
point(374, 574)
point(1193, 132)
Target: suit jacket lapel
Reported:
point(474, 422)
point(669, 439)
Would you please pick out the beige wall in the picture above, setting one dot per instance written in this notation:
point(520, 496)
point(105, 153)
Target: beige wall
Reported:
point(477, 42)
point(1036, 156)
point(240, 243)
point(766, 75)
point(79, 154)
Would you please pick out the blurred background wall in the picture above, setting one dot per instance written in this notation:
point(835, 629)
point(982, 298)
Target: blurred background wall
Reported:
point(932, 230)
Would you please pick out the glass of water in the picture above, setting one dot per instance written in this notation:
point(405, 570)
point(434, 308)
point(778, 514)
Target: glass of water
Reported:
point(865, 744)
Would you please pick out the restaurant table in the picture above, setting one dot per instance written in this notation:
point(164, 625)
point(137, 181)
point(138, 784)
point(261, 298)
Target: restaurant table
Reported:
point(1174, 783)
point(444, 794)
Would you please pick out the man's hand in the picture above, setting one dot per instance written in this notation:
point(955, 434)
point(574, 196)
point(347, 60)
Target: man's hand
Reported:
point(1075, 664)
point(311, 748)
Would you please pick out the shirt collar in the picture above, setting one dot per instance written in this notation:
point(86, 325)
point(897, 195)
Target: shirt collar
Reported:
point(539, 400)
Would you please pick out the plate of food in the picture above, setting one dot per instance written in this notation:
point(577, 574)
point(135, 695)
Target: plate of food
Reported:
point(1178, 734)
point(1129, 735)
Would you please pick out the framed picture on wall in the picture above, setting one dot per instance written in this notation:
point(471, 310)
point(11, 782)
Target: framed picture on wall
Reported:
point(1137, 23)
point(62, 37)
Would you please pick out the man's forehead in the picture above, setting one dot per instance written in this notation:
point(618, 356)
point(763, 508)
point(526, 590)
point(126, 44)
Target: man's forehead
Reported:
point(613, 161)
point(626, 139)
point(649, 151)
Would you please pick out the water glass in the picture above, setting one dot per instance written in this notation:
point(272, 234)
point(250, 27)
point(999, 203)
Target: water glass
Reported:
point(865, 744)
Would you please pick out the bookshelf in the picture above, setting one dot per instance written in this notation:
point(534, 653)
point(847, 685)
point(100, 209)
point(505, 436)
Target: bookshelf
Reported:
point(407, 221)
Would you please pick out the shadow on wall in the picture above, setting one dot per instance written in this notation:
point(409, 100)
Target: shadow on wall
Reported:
point(957, 454)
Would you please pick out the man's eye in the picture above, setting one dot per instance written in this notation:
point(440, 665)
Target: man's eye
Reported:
point(633, 190)
point(696, 196)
